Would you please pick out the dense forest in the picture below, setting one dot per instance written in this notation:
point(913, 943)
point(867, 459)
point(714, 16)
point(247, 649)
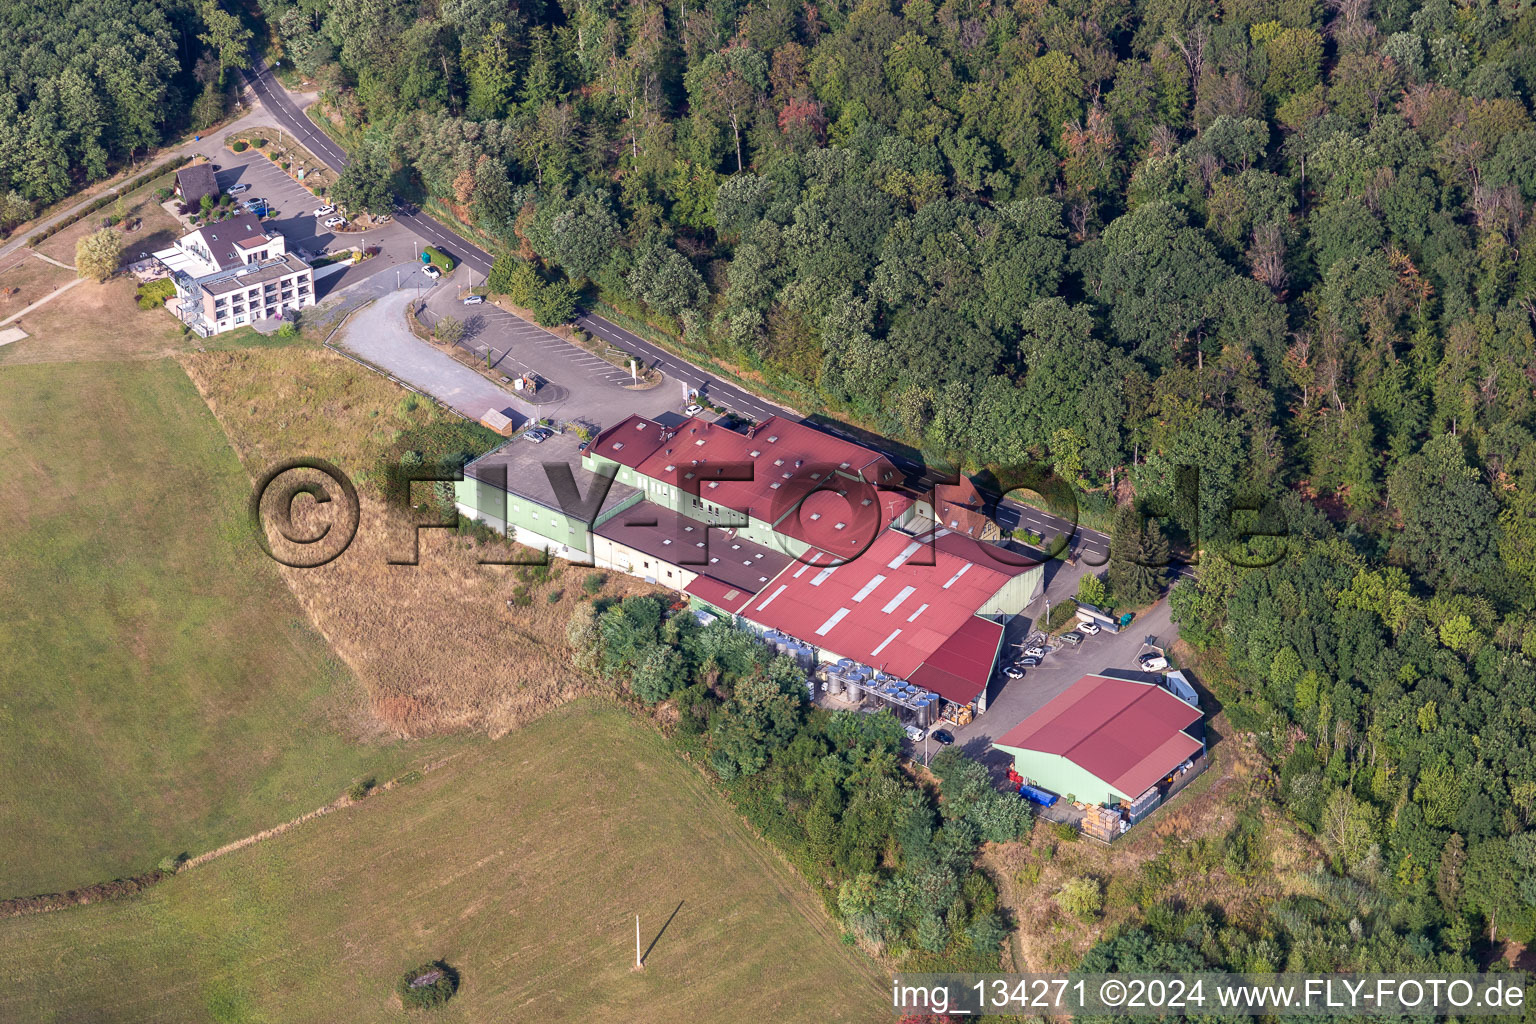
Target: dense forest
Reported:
point(86, 87)
point(1286, 242)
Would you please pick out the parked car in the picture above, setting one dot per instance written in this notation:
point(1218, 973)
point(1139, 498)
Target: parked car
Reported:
point(431, 271)
point(943, 737)
point(1013, 671)
point(693, 409)
point(251, 204)
point(473, 300)
point(1088, 628)
point(335, 222)
point(1152, 662)
point(1029, 662)
point(324, 211)
point(235, 190)
point(1072, 638)
point(538, 435)
point(583, 446)
point(1035, 651)
point(383, 218)
point(914, 734)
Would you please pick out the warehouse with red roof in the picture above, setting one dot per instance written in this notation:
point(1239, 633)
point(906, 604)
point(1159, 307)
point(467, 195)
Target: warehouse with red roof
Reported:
point(871, 581)
point(801, 535)
point(1105, 740)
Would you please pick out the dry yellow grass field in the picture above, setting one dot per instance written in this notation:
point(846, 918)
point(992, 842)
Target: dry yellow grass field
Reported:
point(437, 644)
point(24, 279)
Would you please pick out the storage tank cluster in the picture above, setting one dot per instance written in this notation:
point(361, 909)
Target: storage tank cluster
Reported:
point(783, 644)
point(852, 682)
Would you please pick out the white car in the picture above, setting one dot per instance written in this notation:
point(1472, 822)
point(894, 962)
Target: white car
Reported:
point(915, 734)
point(1088, 628)
point(431, 271)
point(693, 410)
point(1035, 651)
point(1014, 672)
point(235, 190)
point(471, 300)
point(1152, 662)
point(324, 211)
point(335, 222)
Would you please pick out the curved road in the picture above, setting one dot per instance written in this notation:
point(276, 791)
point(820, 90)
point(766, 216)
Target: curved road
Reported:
point(281, 106)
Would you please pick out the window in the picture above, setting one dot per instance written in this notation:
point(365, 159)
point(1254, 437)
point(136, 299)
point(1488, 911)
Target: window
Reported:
point(618, 446)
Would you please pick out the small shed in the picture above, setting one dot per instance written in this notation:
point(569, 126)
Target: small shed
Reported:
point(194, 182)
point(497, 421)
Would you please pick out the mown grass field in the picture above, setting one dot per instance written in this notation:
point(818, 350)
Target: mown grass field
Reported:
point(161, 689)
point(521, 862)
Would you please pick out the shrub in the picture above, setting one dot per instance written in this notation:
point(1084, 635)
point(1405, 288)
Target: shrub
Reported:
point(449, 330)
point(554, 596)
point(1082, 898)
point(239, 146)
point(288, 330)
point(1060, 615)
point(414, 775)
point(431, 984)
point(152, 294)
point(1091, 590)
point(439, 259)
point(359, 790)
point(258, 143)
point(593, 583)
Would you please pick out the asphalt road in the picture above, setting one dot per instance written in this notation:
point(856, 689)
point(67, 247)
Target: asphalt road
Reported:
point(1089, 543)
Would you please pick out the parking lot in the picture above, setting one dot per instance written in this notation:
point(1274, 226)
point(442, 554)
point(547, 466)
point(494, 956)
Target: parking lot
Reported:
point(1010, 701)
point(585, 387)
point(294, 206)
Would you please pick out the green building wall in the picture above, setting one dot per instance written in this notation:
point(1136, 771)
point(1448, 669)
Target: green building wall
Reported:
point(1063, 777)
point(499, 510)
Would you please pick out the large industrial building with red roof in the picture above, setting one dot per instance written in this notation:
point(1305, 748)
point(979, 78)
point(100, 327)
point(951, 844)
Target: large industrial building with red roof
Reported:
point(1106, 741)
point(808, 538)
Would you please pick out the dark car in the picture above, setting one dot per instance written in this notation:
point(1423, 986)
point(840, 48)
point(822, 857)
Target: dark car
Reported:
point(1029, 662)
point(942, 736)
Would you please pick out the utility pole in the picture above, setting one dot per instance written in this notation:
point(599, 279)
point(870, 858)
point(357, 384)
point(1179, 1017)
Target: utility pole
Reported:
point(638, 963)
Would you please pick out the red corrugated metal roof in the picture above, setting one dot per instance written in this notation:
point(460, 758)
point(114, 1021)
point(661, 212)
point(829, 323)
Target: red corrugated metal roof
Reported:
point(960, 668)
point(784, 460)
point(1126, 733)
point(721, 595)
point(892, 608)
point(629, 442)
